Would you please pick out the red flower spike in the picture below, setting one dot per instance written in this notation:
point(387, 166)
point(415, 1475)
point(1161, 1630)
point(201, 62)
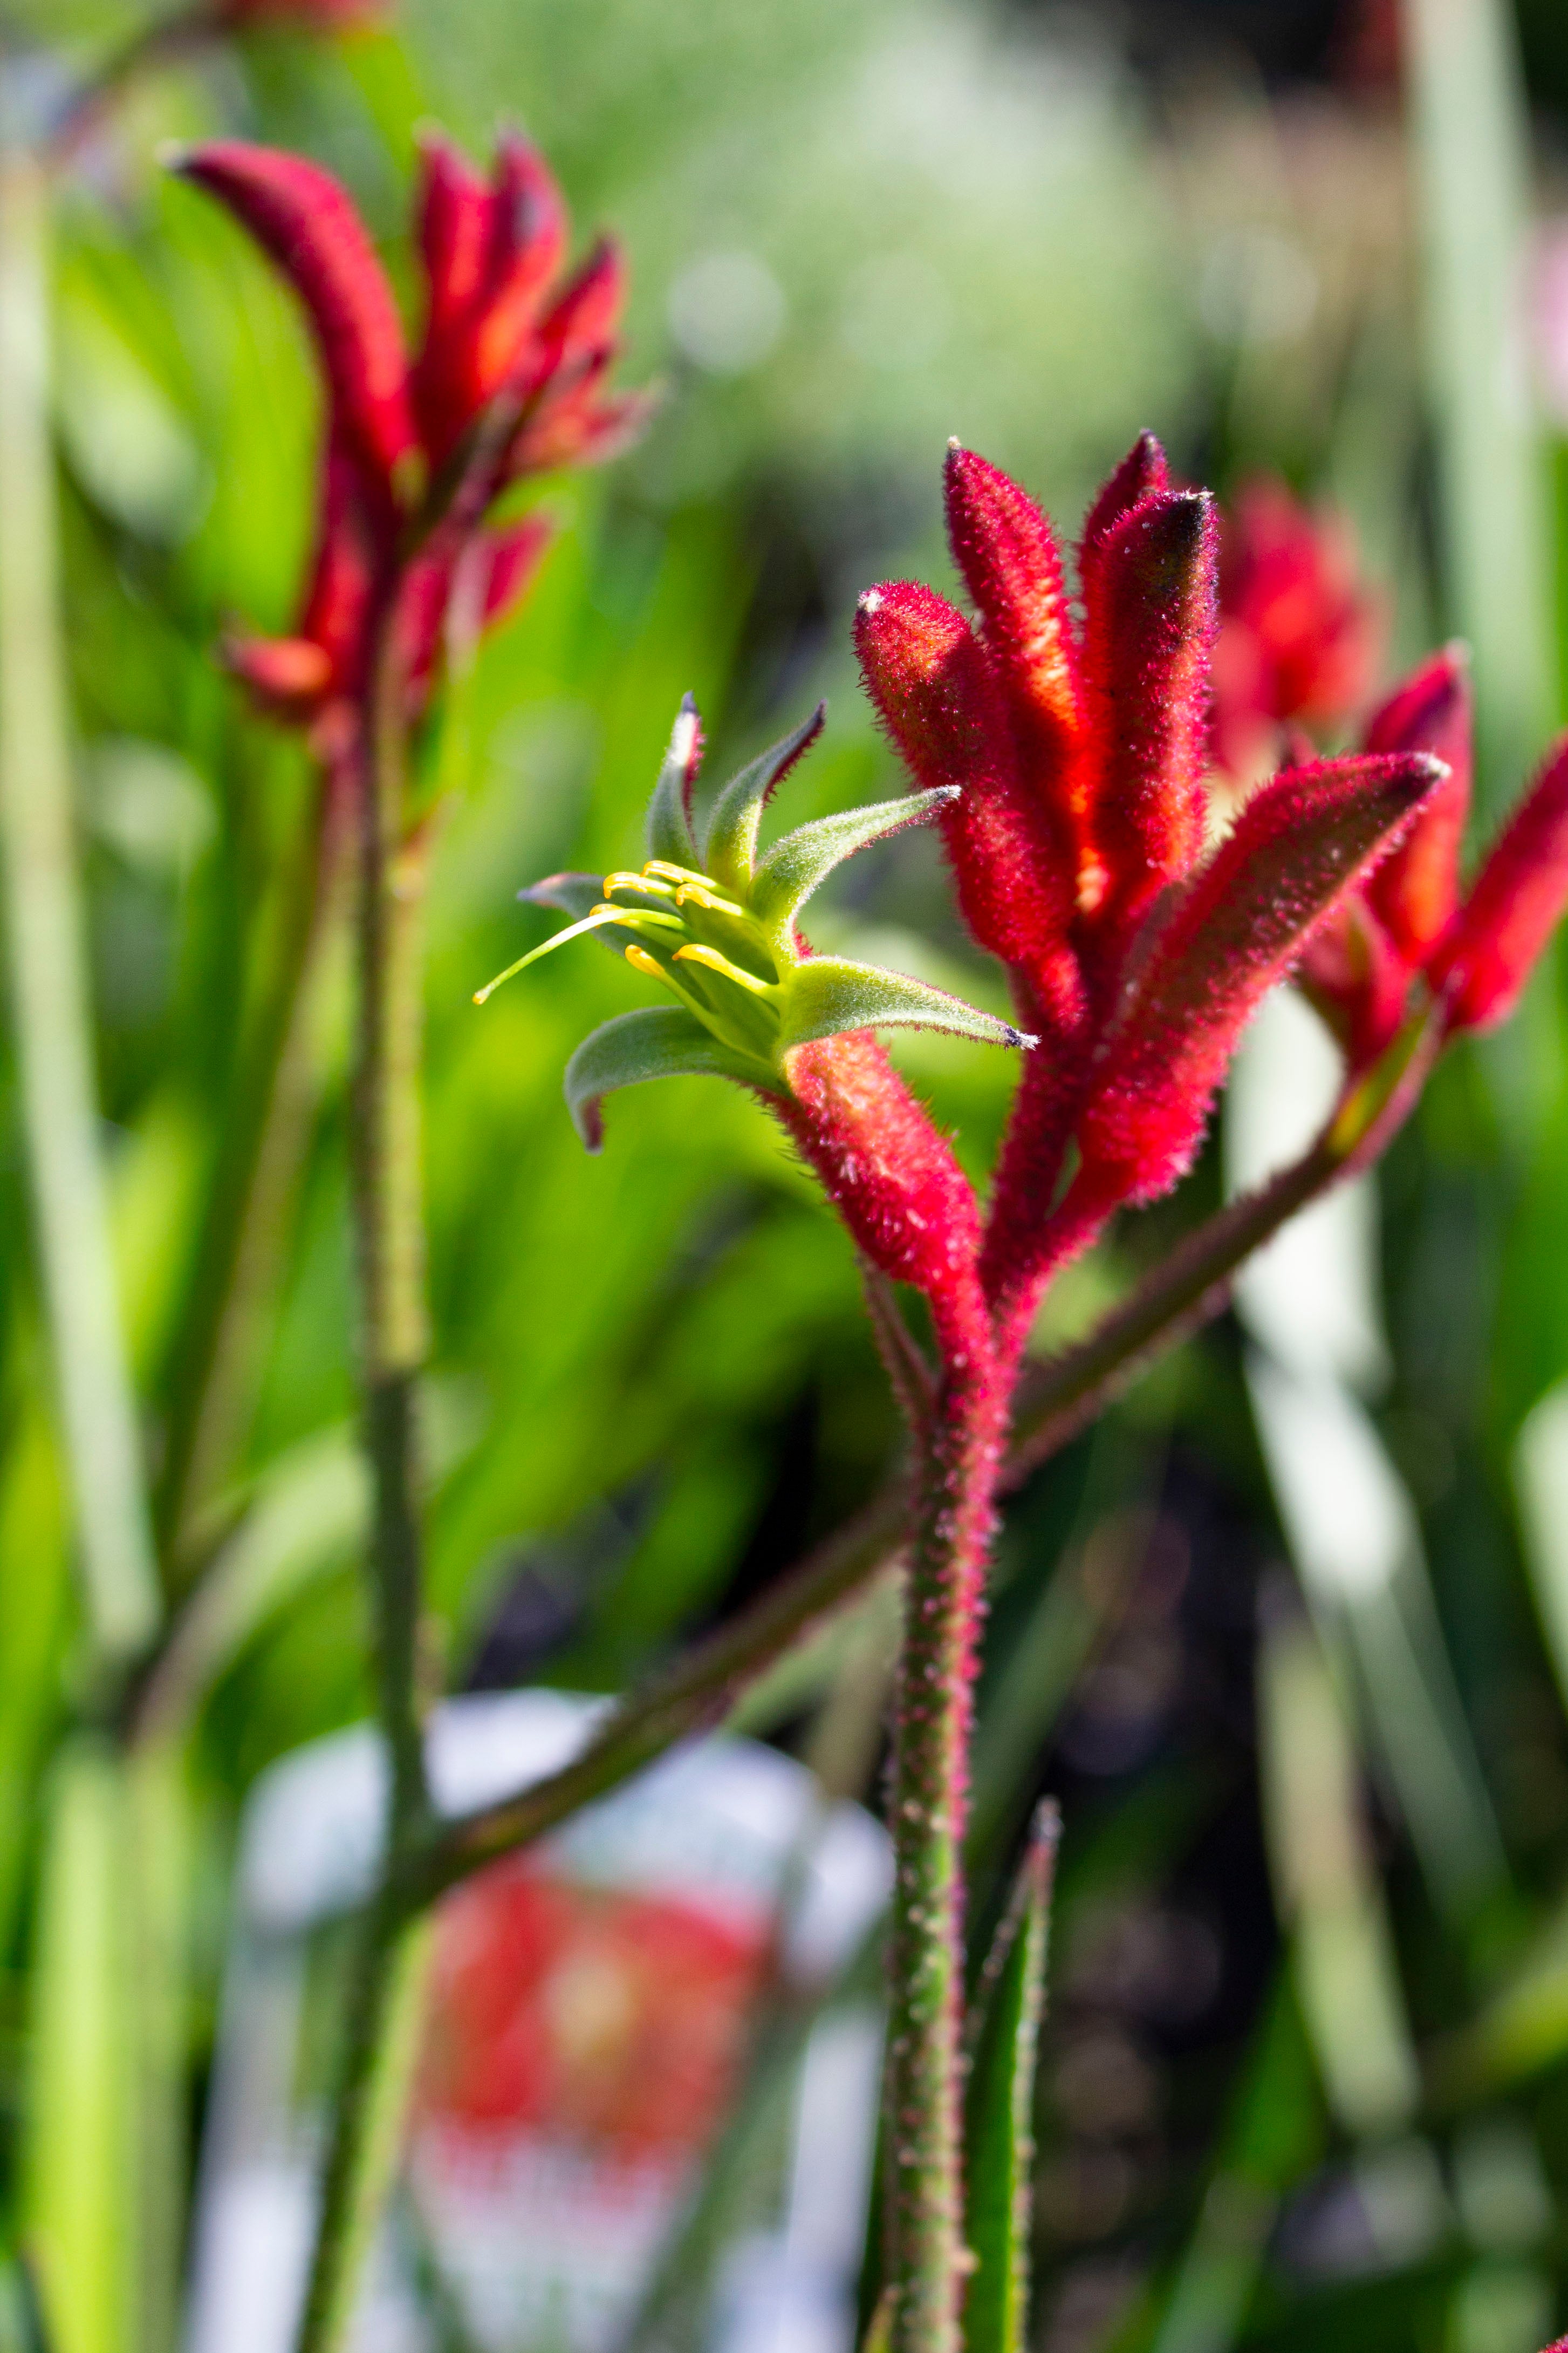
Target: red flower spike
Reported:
point(1149, 630)
point(937, 694)
point(302, 218)
point(1297, 845)
point(1513, 909)
point(1004, 547)
point(490, 250)
point(295, 685)
point(1414, 892)
point(893, 1179)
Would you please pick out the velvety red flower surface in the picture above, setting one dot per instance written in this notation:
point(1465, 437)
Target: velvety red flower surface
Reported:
point(1410, 924)
point(510, 379)
point(1300, 637)
point(1080, 846)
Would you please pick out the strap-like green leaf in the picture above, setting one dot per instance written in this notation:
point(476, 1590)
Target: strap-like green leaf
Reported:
point(659, 1041)
point(999, 2124)
point(827, 994)
point(669, 827)
point(730, 842)
point(795, 866)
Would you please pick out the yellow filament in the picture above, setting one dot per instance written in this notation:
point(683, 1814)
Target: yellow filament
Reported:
point(621, 881)
point(695, 954)
point(662, 871)
point(705, 897)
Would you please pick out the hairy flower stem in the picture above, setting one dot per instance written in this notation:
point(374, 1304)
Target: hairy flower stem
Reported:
point(389, 1223)
point(934, 1705)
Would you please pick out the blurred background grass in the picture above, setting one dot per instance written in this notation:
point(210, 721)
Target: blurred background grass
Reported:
point(1299, 2076)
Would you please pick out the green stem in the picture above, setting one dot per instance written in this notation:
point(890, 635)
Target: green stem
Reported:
point(49, 993)
point(932, 1709)
point(389, 1226)
point(240, 1260)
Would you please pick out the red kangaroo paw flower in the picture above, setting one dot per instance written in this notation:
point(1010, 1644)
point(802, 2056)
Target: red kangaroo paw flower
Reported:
point(1513, 909)
point(301, 217)
point(1299, 637)
point(1297, 846)
point(1148, 630)
point(1004, 547)
point(938, 696)
point(490, 250)
point(893, 1179)
point(1415, 891)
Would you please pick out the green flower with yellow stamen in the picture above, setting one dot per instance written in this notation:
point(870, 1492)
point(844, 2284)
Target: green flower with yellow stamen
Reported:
point(715, 925)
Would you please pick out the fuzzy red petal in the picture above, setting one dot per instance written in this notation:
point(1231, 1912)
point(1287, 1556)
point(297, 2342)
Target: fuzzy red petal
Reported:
point(1297, 846)
point(1007, 551)
point(1513, 907)
point(893, 1179)
point(1414, 891)
point(1143, 474)
point(289, 677)
point(452, 212)
point(1149, 632)
point(304, 219)
point(936, 690)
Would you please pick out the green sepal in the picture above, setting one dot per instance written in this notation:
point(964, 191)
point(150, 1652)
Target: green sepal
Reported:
point(578, 894)
point(730, 839)
point(795, 865)
point(827, 994)
point(999, 2140)
point(575, 895)
point(657, 1041)
point(669, 834)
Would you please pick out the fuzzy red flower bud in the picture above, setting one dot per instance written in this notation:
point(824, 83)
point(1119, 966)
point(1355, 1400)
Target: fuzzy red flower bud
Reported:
point(892, 1177)
point(1297, 846)
point(1148, 633)
point(930, 679)
point(1513, 909)
point(1142, 474)
point(304, 220)
point(1300, 637)
point(1004, 547)
point(1415, 891)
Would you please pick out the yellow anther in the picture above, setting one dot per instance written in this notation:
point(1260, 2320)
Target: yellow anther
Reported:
point(663, 871)
point(693, 953)
point(640, 961)
point(624, 881)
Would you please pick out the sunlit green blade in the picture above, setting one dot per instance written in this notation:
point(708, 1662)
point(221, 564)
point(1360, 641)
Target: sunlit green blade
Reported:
point(730, 842)
point(635, 918)
point(1472, 134)
point(999, 2134)
point(659, 1041)
point(795, 867)
point(828, 995)
point(78, 2222)
point(670, 832)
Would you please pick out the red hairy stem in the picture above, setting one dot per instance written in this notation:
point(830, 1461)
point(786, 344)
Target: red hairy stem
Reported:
point(894, 1181)
point(950, 1539)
